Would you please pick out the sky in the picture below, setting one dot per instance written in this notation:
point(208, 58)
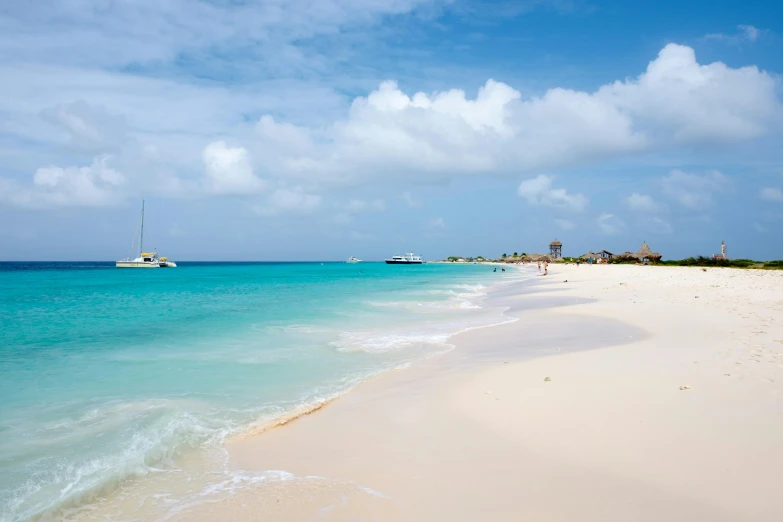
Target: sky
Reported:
point(319, 130)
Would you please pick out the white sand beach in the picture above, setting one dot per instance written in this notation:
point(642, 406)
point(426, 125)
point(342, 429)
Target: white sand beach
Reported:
point(626, 393)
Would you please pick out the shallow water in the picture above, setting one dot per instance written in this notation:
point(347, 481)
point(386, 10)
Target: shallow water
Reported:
point(114, 376)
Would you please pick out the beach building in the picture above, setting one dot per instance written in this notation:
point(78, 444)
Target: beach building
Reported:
point(722, 254)
point(556, 249)
point(605, 255)
point(646, 255)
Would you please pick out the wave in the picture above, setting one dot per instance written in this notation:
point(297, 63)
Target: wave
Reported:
point(153, 435)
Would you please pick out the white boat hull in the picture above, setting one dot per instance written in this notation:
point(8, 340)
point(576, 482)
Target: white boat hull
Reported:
point(137, 264)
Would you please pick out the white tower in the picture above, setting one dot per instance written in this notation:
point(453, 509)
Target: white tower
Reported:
point(723, 249)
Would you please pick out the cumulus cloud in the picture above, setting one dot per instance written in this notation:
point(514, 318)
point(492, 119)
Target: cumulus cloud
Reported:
point(539, 191)
point(294, 201)
point(697, 103)
point(772, 194)
point(228, 170)
point(674, 101)
point(692, 190)
point(641, 203)
point(95, 185)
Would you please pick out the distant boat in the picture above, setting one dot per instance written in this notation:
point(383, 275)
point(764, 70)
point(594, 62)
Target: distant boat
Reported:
point(407, 259)
point(353, 260)
point(145, 259)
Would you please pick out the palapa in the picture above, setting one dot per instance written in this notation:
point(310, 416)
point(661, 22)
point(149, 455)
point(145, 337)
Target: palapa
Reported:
point(645, 253)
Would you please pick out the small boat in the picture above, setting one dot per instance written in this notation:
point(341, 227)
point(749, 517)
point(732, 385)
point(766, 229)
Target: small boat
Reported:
point(145, 259)
point(407, 259)
point(165, 263)
point(353, 260)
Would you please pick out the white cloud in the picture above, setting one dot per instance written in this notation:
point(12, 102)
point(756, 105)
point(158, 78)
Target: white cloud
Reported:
point(641, 203)
point(93, 186)
point(564, 224)
point(539, 191)
point(446, 134)
point(228, 170)
point(745, 33)
point(388, 134)
point(294, 201)
point(610, 224)
point(691, 190)
point(751, 33)
point(772, 194)
point(697, 103)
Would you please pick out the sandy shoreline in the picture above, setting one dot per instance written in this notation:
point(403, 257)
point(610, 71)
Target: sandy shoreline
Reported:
point(479, 434)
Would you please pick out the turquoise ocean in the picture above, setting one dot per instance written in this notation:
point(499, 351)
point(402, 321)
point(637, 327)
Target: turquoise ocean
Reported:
point(109, 376)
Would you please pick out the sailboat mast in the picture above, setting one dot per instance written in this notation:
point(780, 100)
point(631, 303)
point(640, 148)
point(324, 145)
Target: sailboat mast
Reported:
point(141, 240)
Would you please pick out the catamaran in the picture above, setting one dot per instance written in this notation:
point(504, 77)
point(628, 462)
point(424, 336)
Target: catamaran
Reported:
point(145, 259)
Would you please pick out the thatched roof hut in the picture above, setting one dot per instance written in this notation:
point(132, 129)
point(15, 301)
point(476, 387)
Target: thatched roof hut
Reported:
point(625, 255)
point(645, 253)
point(589, 255)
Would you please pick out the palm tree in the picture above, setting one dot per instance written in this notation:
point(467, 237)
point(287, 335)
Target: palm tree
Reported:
point(515, 254)
point(504, 256)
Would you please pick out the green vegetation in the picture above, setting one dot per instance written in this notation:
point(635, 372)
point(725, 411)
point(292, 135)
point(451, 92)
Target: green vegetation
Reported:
point(627, 261)
point(708, 261)
point(729, 263)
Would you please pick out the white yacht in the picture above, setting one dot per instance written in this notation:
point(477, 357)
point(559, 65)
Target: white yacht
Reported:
point(353, 260)
point(145, 259)
point(407, 259)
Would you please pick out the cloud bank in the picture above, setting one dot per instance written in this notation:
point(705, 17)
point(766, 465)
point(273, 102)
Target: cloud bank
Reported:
point(432, 137)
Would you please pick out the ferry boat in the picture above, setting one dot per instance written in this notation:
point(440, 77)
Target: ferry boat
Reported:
point(353, 260)
point(145, 259)
point(407, 259)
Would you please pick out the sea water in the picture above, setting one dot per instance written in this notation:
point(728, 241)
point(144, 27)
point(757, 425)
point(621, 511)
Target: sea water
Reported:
point(110, 375)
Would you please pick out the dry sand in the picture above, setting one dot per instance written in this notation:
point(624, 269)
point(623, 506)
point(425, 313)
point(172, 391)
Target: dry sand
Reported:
point(664, 403)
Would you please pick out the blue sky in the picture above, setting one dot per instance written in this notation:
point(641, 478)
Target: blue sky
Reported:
point(295, 129)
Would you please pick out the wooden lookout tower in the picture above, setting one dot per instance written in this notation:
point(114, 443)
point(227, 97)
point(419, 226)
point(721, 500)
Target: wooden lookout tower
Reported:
point(556, 249)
